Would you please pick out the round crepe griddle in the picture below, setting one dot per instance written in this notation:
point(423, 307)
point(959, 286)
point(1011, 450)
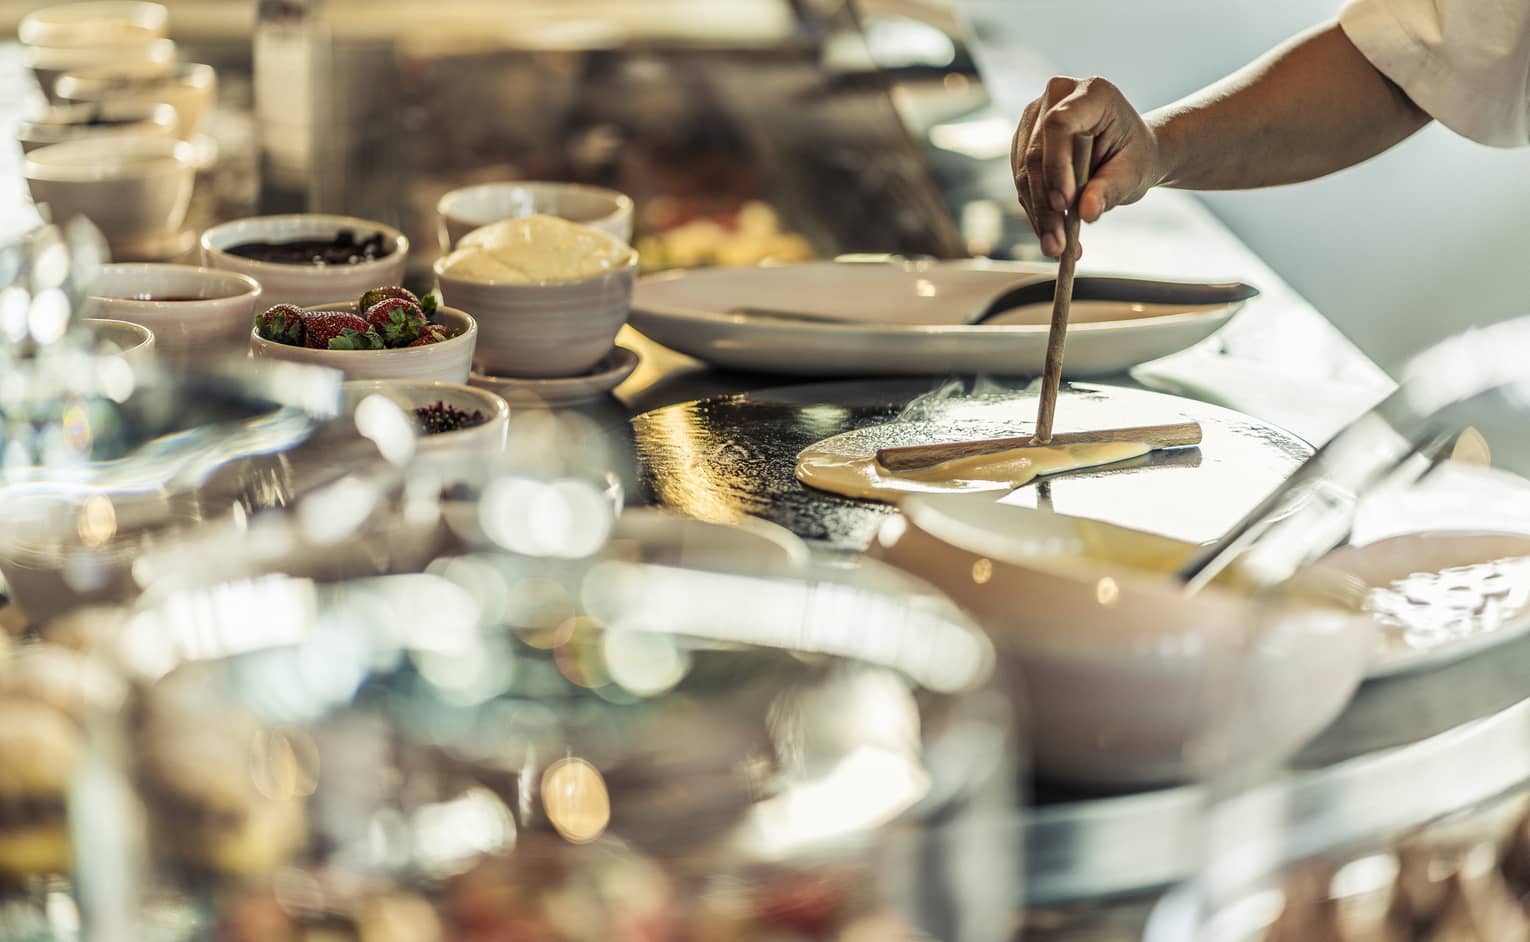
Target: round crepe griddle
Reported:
point(719, 459)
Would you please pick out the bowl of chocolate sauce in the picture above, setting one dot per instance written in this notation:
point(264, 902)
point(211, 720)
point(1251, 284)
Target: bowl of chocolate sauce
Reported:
point(308, 259)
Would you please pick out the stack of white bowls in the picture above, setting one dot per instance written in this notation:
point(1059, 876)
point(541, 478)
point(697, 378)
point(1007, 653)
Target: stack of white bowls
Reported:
point(119, 142)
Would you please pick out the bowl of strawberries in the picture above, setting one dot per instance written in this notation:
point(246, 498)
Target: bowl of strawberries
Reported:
point(387, 333)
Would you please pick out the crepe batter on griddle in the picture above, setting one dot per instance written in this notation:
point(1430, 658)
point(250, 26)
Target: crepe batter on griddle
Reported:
point(829, 466)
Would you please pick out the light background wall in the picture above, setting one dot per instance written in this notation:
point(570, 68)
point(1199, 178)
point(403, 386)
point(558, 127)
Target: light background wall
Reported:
point(1400, 251)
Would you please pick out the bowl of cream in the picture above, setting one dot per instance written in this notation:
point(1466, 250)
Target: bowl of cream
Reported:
point(549, 294)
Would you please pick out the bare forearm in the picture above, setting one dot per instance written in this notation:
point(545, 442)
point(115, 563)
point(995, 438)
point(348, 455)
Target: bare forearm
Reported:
point(1310, 107)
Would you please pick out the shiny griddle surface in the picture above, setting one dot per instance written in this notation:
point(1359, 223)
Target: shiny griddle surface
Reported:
point(718, 459)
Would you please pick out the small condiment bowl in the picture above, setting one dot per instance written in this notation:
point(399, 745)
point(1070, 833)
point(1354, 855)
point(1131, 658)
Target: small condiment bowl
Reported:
point(410, 395)
point(305, 285)
point(133, 187)
point(561, 328)
point(1126, 677)
point(471, 207)
point(189, 88)
point(133, 342)
point(49, 64)
point(446, 362)
point(194, 312)
point(93, 23)
point(60, 124)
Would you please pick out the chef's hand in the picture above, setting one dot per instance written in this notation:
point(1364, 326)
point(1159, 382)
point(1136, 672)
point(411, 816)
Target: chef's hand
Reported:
point(1125, 164)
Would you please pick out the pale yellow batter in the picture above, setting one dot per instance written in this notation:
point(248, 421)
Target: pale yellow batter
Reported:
point(828, 468)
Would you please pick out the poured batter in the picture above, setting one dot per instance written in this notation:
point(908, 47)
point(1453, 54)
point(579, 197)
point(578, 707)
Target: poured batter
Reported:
point(828, 468)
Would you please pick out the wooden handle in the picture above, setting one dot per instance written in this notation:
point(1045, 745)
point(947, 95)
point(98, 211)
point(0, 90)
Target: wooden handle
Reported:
point(913, 457)
point(1057, 335)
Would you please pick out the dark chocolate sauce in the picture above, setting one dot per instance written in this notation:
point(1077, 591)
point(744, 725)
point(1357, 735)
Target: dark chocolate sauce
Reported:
point(342, 249)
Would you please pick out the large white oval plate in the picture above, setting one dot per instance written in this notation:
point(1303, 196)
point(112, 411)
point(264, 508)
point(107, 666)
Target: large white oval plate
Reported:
point(878, 319)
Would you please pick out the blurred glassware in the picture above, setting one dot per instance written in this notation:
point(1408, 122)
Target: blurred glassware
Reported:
point(1313, 852)
point(100, 448)
point(643, 743)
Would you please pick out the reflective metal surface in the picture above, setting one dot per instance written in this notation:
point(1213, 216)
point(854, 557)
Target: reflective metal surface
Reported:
point(719, 459)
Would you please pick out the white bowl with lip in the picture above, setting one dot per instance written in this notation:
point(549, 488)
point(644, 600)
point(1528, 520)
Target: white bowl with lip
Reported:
point(134, 188)
point(49, 64)
point(305, 285)
point(489, 436)
point(190, 88)
point(447, 361)
point(134, 342)
point(94, 23)
point(553, 329)
point(60, 124)
point(1127, 678)
point(471, 207)
point(194, 312)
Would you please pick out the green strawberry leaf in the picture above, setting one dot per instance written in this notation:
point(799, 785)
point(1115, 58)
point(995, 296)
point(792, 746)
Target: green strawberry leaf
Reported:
point(428, 305)
point(349, 339)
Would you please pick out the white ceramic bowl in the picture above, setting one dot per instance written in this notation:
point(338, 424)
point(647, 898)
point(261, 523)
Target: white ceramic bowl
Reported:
point(189, 88)
point(49, 64)
point(1125, 676)
point(558, 329)
point(134, 188)
point(93, 23)
point(446, 362)
point(305, 285)
point(463, 210)
point(134, 342)
point(77, 121)
point(194, 312)
point(410, 395)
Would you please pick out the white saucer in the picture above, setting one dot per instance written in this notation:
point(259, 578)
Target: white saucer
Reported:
point(561, 390)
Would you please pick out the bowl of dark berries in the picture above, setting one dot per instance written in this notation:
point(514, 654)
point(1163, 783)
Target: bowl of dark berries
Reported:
point(387, 333)
point(443, 416)
point(307, 259)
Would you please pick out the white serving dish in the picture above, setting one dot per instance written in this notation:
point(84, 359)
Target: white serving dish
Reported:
point(463, 210)
point(305, 285)
point(215, 323)
point(446, 362)
point(189, 88)
point(60, 124)
point(561, 391)
point(134, 188)
point(1426, 554)
point(557, 329)
point(1124, 676)
point(896, 320)
point(48, 64)
point(93, 23)
point(410, 395)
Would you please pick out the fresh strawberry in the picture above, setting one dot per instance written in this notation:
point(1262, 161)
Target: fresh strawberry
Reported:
point(339, 330)
point(371, 296)
point(281, 324)
point(396, 320)
point(433, 333)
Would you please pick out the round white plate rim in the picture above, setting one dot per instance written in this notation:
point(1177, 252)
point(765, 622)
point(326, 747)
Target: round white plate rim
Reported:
point(1407, 663)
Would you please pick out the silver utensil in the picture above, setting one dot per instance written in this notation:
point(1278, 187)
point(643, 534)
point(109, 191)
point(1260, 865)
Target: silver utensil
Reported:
point(1085, 288)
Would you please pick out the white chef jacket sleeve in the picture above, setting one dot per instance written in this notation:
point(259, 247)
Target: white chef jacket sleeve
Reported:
point(1465, 62)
